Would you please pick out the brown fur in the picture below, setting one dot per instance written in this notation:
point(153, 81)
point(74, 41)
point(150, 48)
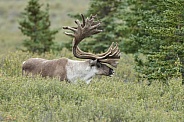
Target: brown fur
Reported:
point(50, 68)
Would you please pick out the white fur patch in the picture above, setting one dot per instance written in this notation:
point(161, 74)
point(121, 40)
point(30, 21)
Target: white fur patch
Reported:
point(23, 62)
point(80, 70)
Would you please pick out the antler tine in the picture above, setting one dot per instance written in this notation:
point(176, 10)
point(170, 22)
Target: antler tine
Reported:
point(112, 62)
point(113, 57)
point(93, 16)
point(85, 55)
point(115, 51)
point(70, 28)
point(83, 20)
point(111, 52)
point(93, 56)
point(69, 34)
point(108, 50)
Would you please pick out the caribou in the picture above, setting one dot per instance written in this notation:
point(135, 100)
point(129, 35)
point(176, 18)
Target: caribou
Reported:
point(73, 70)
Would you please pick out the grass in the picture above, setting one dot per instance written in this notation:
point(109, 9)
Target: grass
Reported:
point(105, 99)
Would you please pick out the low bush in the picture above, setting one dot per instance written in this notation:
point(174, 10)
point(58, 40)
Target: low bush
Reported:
point(104, 99)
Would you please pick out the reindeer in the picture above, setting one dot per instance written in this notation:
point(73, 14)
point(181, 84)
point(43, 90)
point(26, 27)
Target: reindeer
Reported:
point(73, 70)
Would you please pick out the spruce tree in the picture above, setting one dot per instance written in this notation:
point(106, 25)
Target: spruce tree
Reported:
point(35, 24)
point(168, 27)
point(160, 38)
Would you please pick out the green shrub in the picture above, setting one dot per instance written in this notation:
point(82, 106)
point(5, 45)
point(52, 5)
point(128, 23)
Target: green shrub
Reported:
point(104, 99)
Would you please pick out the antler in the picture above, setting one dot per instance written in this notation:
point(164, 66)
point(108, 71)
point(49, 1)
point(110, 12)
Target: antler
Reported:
point(87, 28)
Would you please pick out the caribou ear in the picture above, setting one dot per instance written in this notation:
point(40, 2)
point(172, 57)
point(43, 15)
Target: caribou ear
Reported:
point(92, 62)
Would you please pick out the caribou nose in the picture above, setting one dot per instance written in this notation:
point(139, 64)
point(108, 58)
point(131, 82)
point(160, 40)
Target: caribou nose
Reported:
point(111, 72)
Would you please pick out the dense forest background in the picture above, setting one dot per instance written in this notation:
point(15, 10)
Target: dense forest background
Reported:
point(147, 85)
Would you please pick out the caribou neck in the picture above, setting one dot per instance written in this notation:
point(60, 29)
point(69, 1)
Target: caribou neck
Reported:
point(80, 70)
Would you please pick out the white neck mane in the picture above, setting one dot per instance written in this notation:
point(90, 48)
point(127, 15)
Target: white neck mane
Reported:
point(80, 70)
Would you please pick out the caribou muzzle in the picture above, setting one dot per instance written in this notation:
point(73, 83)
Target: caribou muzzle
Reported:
point(111, 72)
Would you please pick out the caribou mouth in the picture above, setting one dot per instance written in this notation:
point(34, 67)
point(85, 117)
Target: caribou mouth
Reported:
point(111, 72)
point(110, 75)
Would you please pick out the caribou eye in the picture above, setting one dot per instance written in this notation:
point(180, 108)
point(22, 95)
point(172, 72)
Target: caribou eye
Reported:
point(99, 65)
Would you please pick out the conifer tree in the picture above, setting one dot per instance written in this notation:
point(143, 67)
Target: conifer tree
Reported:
point(35, 24)
point(160, 38)
point(168, 28)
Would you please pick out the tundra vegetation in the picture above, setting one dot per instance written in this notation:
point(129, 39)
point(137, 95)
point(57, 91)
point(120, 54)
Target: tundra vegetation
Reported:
point(123, 97)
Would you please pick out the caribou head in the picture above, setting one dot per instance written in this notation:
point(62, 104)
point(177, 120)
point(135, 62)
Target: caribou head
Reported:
point(72, 70)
